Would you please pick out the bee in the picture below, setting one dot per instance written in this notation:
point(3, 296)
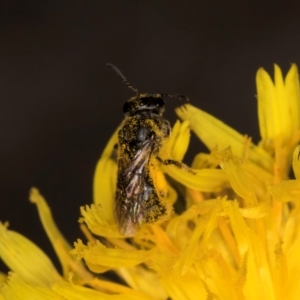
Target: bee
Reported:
point(141, 186)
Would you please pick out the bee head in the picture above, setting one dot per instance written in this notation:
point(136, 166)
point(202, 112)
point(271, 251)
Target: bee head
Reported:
point(153, 103)
point(145, 102)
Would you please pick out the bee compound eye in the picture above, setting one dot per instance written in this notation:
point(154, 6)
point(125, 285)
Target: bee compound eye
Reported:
point(152, 102)
point(126, 107)
point(160, 102)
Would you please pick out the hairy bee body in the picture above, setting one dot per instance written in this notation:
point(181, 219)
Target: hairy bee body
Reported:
point(141, 186)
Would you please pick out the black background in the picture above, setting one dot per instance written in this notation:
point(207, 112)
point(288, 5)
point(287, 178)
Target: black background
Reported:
point(60, 103)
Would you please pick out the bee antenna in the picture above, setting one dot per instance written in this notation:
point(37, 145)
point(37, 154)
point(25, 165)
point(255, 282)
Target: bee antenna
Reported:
point(180, 97)
point(119, 73)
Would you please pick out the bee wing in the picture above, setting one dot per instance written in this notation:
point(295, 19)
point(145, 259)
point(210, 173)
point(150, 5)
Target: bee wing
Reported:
point(130, 190)
point(135, 172)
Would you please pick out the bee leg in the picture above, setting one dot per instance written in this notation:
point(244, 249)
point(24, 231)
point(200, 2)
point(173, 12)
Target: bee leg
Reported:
point(116, 146)
point(135, 212)
point(151, 208)
point(171, 162)
point(176, 163)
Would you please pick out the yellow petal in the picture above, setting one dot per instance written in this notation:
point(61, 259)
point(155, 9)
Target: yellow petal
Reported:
point(255, 212)
point(291, 235)
point(3, 277)
point(204, 160)
point(205, 180)
point(286, 191)
point(26, 259)
point(17, 289)
point(143, 280)
point(60, 244)
point(75, 292)
point(110, 287)
point(99, 258)
point(172, 194)
point(296, 162)
point(246, 178)
point(105, 178)
point(278, 105)
point(214, 133)
point(178, 142)
point(187, 287)
point(197, 240)
point(280, 272)
point(281, 106)
point(259, 276)
point(200, 180)
point(267, 101)
point(239, 182)
point(293, 94)
point(291, 245)
point(178, 230)
point(96, 221)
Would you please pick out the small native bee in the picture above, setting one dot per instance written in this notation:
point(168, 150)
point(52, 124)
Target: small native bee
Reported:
point(141, 187)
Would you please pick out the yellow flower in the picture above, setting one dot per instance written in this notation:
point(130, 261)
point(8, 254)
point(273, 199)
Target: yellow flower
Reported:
point(279, 116)
point(238, 237)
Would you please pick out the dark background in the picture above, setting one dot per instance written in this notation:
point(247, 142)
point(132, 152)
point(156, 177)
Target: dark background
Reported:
point(60, 103)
